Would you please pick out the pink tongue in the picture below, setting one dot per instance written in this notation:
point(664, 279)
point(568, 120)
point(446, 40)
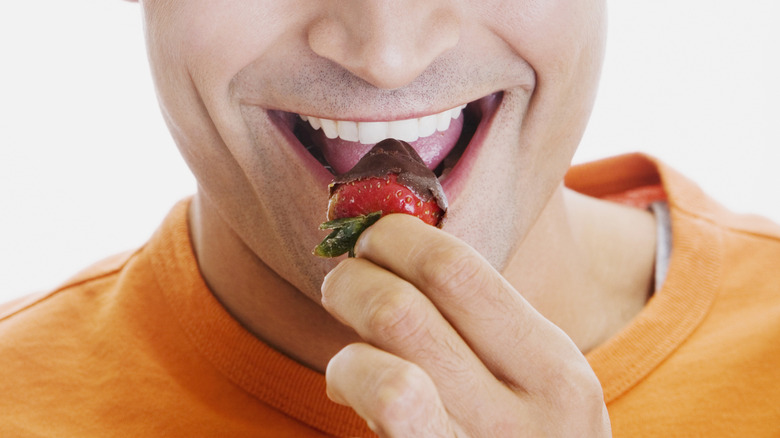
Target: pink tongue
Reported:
point(342, 155)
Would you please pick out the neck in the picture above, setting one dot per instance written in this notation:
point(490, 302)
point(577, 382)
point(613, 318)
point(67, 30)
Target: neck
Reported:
point(586, 265)
point(267, 305)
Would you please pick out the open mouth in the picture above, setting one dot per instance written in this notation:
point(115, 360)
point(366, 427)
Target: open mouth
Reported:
point(440, 139)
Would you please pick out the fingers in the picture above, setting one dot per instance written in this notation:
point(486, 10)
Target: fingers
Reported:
point(453, 346)
point(514, 341)
point(395, 397)
point(393, 315)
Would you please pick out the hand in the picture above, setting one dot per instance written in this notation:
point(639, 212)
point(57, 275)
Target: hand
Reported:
point(451, 348)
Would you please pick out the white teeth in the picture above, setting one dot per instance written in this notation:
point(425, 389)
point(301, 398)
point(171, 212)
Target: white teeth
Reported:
point(374, 132)
point(443, 120)
point(456, 112)
point(348, 130)
point(405, 130)
point(427, 125)
point(330, 128)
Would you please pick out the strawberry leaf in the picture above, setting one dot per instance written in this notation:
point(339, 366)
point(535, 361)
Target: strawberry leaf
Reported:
point(344, 235)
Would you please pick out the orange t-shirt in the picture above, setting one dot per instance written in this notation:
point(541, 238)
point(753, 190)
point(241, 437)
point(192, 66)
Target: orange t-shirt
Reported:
point(137, 345)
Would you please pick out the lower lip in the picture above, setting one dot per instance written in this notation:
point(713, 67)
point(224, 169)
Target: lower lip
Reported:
point(486, 108)
point(283, 121)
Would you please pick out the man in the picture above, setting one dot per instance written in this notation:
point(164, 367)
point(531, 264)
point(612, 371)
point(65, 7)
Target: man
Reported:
point(224, 323)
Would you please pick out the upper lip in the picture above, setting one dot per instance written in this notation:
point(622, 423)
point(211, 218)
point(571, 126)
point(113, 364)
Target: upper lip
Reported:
point(371, 115)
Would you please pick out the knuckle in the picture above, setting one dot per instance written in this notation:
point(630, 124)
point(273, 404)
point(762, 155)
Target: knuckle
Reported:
point(508, 425)
point(395, 317)
point(580, 389)
point(402, 393)
point(452, 270)
point(574, 405)
point(336, 281)
point(585, 408)
point(349, 354)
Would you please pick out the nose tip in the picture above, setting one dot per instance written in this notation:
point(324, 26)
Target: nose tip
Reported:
point(386, 43)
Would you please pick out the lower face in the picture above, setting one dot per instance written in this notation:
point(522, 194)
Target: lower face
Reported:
point(234, 78)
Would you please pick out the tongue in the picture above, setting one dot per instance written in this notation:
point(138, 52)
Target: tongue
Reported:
point(342, 155)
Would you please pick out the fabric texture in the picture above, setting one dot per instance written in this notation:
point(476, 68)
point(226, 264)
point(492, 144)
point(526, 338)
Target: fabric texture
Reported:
point(138, 346)
point(703, 357)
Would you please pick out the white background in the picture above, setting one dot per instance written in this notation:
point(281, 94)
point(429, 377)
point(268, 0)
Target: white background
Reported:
point(88, 169)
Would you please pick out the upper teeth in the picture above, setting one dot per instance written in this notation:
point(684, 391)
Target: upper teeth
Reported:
point(374, 132)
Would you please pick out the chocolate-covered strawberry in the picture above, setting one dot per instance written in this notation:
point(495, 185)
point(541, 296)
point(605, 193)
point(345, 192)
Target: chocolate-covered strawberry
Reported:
point(390, 178)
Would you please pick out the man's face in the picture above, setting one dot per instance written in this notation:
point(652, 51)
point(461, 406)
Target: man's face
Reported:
point(233, 76)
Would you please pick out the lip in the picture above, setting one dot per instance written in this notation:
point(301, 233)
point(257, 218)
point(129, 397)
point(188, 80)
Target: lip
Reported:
point(483, 108)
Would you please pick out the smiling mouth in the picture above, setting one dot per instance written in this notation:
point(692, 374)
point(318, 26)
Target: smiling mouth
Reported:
point(440, 139)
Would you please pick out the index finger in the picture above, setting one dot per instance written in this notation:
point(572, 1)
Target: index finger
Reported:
point(514, 341)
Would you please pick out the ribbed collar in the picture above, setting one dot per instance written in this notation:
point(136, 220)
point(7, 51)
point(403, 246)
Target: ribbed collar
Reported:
point(243, 359)
point(693, 276)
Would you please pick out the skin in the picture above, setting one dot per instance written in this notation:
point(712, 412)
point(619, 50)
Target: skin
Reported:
point(478, 329)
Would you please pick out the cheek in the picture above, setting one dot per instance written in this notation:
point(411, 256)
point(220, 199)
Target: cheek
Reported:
point(563, 40)
point(207, 42)
point(219, 38)
point(196, 48)
point(563, 43)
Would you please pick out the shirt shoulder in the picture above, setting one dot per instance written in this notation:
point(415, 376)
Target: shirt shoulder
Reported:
point(107, 267)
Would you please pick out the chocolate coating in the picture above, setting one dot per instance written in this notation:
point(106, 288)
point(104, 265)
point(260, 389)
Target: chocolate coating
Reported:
point(391, 156)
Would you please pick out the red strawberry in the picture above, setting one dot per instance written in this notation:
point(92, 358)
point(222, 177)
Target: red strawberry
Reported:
point(385, 195)
point(391, 178)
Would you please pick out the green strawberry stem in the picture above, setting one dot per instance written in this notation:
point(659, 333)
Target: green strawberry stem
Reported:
point(344, 235)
